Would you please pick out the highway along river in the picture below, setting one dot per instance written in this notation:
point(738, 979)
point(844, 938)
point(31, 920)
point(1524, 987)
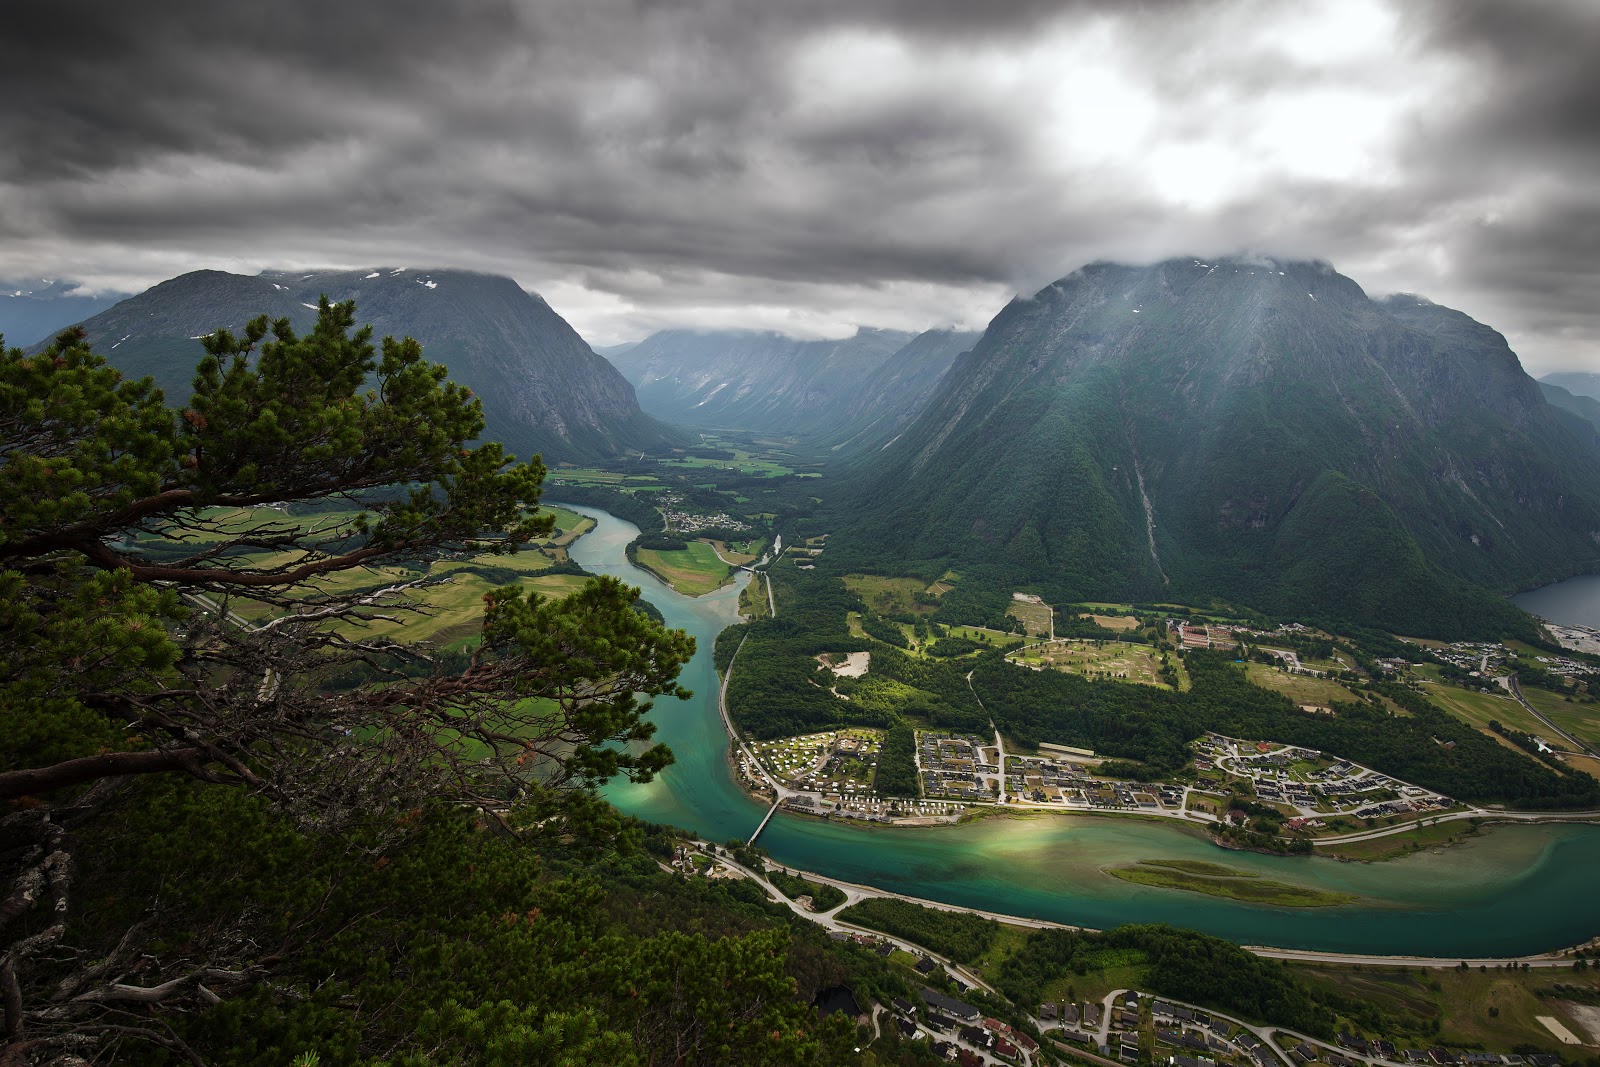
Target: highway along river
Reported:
point(1513, 890)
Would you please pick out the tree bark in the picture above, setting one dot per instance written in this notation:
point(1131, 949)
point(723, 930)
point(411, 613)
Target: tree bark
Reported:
point(35, 780)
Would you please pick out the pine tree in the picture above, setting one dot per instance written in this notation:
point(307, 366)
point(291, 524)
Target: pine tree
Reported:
point(153, 622)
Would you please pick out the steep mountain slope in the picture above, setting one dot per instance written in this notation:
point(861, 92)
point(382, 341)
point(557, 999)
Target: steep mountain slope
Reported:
point(897, 390)
point(543, 389)
point(1260, 432)
point(1578, 383)
point(1580, 413)
point(755, 381)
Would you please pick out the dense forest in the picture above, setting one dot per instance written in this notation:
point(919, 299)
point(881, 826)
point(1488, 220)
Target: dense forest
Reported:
point(1193, 967)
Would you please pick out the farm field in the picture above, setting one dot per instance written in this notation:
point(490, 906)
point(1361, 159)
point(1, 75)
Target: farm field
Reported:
point(1480, 709)
point(692, 571)
point(569, 525)
point(1462, 1000)
point(1036, 617)
point(1116, 622)
point(454, 609)
point(744, 462)
point(741, 552)
point(1118, 660)
point(887, 596)
point(594, 476)
point(1580, 720)
point(983, 635)
point(1300, 688)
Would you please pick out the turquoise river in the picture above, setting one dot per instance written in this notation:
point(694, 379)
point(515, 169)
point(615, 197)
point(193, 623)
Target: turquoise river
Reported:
point(1511, 890)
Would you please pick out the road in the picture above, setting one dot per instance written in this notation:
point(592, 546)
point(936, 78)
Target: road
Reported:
point(855, 891)
point(1510, 682)
point(828, 919)
point(779, 792)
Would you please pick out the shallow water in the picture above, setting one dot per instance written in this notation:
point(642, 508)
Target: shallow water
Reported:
point(1513, 890)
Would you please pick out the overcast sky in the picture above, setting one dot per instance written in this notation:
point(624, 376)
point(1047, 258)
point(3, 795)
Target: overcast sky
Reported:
point(808, 165)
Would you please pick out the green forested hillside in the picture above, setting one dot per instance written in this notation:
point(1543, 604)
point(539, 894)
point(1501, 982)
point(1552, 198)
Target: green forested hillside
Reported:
point(1259, 432)
point(543, 390)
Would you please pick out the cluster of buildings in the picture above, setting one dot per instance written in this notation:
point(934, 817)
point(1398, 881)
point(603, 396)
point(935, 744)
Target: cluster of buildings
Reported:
point(1043, 780)
point(831, 762)
point(956, 765)
point(1331, 786)
point(1207, 635)
point(959, 1033)
point(679, 521)
point(1473, 656)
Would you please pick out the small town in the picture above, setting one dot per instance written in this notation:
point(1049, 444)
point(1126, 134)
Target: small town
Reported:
point(831, 774)
point(677, 520)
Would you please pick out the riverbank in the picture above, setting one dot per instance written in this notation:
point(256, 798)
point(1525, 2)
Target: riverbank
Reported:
point(1501, 895)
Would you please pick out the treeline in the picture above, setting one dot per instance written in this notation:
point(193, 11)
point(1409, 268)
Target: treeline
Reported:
point(1137, 722)
point(1184, 964)
point(777, 690)
point(884, 630)
point(637, 508)
point(658, 543)
point(957, 935)
point(897, 763)
point(975, 602)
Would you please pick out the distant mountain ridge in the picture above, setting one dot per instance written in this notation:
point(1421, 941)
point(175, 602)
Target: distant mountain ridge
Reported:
point(766, 382)
point(1252, 430)
point(33, 310)
point(543, 389)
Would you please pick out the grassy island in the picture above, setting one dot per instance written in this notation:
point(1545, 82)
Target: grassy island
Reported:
point(1216, 880)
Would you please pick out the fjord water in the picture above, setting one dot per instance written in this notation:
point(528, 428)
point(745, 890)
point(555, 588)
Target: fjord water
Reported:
point(1574, 602)
point(1513, 890)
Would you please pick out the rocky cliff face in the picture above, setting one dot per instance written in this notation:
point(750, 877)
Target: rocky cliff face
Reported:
point(1261, 431)
point(543, 389)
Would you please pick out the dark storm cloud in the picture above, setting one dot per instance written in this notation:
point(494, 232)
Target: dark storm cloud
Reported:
point(809, 164)
point(90, 85)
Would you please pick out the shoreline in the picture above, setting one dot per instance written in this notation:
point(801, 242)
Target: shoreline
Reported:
point(664, 580)
point(1547, 958)
point(1552, 958)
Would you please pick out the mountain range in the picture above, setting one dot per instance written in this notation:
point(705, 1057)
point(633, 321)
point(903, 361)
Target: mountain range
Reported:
point(32, 310)
point(1258, 431)
point(543, 389)
point(842, 392)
